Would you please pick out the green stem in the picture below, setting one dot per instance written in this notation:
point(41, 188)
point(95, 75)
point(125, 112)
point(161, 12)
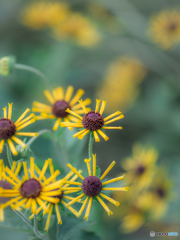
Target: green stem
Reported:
point(39, 134)
point(63, 151)
point(9, 157)
point(28, 222)
point(90, 144)
point(38, 234)
point(34, 70)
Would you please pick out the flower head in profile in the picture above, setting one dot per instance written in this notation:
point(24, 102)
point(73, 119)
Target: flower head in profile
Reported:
point(165, 28)
point(61, 197)
point(78, 28)
point(140, 167)
point(7, 65)
point(44, 14)
point(32, 190)
point(9, 129)
point(60, 102)
point(92, 187)
point(93, 121)
point(4, 184)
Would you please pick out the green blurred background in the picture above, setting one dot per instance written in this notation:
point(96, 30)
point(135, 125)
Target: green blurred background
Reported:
point(151, 108)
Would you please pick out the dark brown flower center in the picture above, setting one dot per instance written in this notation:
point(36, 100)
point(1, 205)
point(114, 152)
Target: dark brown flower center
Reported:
point(59, 196)
point(31, 188)
point(91, 186)
point(161, 192)
point(172, 27)
point(140, 170)
point(4, 185)
point(7, 128)
point(93, 121)
point(59, 107)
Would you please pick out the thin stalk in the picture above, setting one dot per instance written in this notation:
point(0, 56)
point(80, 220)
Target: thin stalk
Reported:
point(63, 151)
point(39, 134)
point(28, 222)
point(34, 70)
point(9, 156)
point(38, 234)
point(90, 144)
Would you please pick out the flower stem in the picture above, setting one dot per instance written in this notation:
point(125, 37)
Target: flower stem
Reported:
point(28, 222)
point(34, 70)
point(38, 234)
point(90, 144)
point(9, 157)
point(39, 134)
point(63, 151)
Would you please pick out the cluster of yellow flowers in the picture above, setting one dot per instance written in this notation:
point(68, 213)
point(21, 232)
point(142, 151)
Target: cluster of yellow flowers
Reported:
point(64, 23)
point(149, 192)
point(121, 85)
point(34, 190)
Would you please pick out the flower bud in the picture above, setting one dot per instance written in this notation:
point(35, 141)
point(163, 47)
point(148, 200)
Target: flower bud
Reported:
point(7, 65)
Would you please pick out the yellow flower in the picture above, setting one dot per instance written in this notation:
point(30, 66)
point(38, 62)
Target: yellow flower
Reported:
point(78, 28)
point(140, 167)
point(59, 104)
point(121, 84)
point(158, 196)
point(6, 185)
point(133, 220)
point(33, 190)
point(43, 14)
point(93, 187)
point(93, 121)
point(7, 65)
point(60, 197)
point(8, 129)
point(165, 28)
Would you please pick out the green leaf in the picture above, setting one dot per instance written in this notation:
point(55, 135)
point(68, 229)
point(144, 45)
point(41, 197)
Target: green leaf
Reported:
point(61, 206)
point(73, 228)
point(14, 222)
point(98, 172)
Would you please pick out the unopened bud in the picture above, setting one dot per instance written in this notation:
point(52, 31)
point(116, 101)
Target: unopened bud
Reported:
point(7, 65)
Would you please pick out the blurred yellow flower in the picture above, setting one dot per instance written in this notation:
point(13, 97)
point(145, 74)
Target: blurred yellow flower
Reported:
point(158, 196)
point(165, 28)
point(78, 28)
point(133, 220)
point(43, 14)
point(140, 167)
point(120, 86)
point(104, 16)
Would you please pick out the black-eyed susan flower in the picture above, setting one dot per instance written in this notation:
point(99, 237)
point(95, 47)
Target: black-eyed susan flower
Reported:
point(165, 28)
point(9, 129)
point(93, 121)
point(61, 197)
point(4, 184)
point(34, 190)
point(93, 187)
point(78, 28)
point(60, 102)
point(158, 196)
point(7, 65)
point(44, 14)
point(140, 167)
